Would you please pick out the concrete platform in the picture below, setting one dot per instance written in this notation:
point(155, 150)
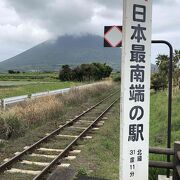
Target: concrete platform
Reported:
point(69, 174)
point(162, 177)
point(62, 174)
point(89, 178)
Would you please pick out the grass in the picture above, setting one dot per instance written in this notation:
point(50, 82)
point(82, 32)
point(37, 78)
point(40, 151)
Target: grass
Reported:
point(4, 84)
point(30, 76)
point(30, 82)
point(69, 105)
point(15, 121)
point(158, 125)
point(100, 156)
point(32, 87)
point(158, 120)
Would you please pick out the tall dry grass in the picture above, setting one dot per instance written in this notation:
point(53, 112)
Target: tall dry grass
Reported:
point(15, 120)
point(81, 94)
point(38, 109)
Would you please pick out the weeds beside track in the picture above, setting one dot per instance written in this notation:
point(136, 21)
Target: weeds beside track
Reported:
point(102, 109)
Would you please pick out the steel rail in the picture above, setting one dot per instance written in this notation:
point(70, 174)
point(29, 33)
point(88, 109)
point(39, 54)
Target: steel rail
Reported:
point(14, 159)
point(69, 147)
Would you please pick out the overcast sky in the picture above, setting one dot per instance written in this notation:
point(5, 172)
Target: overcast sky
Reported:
point(25, 23)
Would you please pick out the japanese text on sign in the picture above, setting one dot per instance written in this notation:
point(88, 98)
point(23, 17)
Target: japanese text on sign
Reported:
point(135, 89)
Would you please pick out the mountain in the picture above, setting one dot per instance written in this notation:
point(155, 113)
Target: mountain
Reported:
point(72, 50)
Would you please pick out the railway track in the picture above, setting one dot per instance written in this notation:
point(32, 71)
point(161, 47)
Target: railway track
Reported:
point(36, 161)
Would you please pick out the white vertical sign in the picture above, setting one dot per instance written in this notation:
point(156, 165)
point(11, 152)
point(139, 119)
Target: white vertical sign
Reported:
point(135, 90)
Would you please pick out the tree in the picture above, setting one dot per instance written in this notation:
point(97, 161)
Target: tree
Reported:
point(11, 71)
point(162, 61)
point(108, 70)
point(176, 56)
point(85, 72)
point(102, 71)
point(158, 82)
point(162, 64)
point(176, 74)
point(65, 73)
point(77, 74)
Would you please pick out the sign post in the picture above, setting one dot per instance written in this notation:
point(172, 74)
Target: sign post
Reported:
point(135, 90)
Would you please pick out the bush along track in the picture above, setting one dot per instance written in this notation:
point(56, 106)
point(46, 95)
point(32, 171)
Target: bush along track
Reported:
point(34, 158)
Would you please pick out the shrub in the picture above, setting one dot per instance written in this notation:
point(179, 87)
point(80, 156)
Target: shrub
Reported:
point(117, 79)
point(85, 72)
point(10, 125)
point(158, 82)
point(81, 172)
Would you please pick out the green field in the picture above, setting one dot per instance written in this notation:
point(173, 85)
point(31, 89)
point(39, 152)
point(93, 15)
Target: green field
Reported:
point(30, 76)
point(9, 84)
point(33, 87)
point(28, 83)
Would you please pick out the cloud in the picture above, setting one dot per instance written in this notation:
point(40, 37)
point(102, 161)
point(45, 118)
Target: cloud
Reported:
point(113, 4)
point(16, 33)
point(83, 16)
point(58, 17)
point(26, 23)
point(18, 38)
point(166, 24)
point(61, 16)
point(166, 2)
point(165, 17)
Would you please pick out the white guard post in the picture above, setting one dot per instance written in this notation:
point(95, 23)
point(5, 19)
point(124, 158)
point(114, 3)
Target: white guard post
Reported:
point(135, 90)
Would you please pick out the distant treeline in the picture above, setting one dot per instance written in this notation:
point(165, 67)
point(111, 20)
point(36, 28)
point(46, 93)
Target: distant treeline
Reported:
point(85, 72)
point(13, 72)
